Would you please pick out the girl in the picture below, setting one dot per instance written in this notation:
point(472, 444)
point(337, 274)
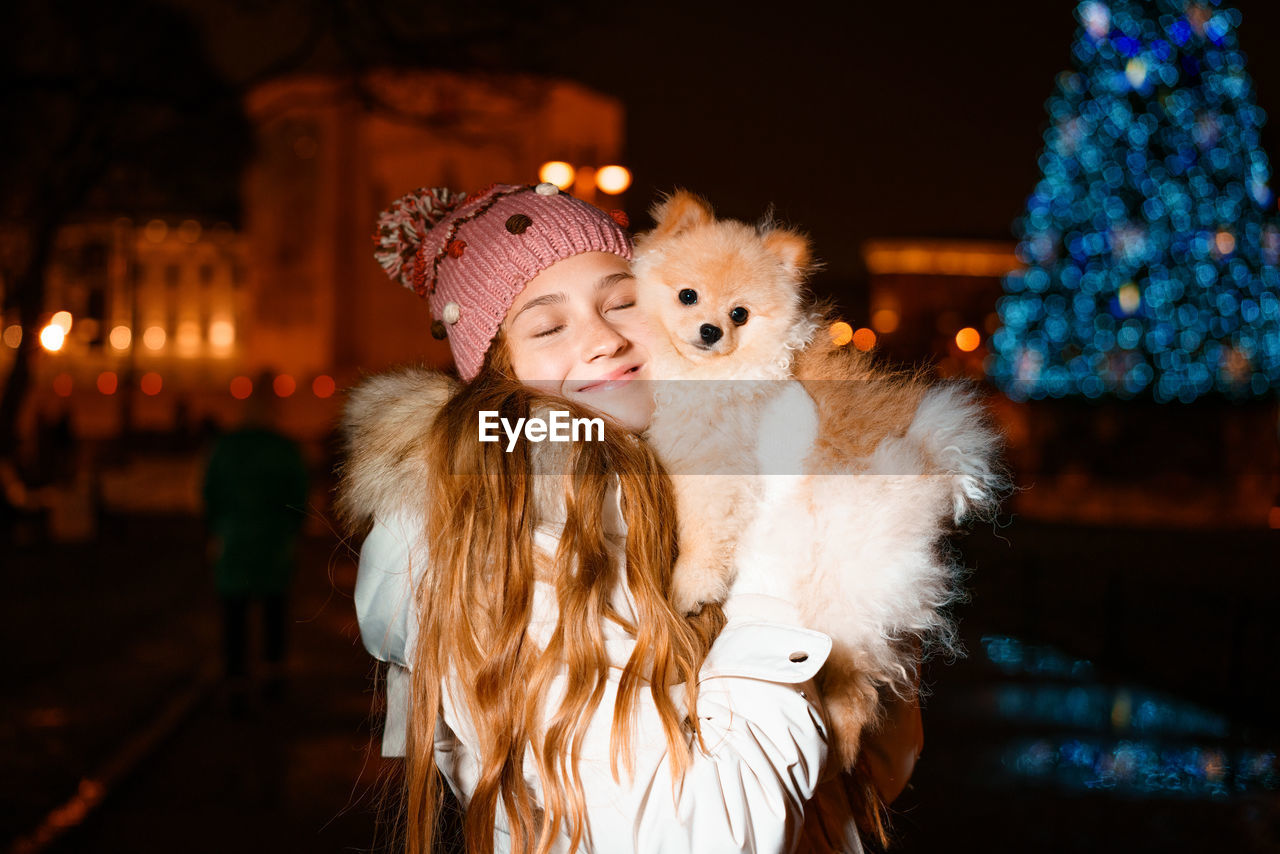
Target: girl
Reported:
point(536, 664)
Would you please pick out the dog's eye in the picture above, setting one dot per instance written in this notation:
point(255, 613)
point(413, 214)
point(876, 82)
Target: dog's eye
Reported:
point(688, 296)
point(738, 315)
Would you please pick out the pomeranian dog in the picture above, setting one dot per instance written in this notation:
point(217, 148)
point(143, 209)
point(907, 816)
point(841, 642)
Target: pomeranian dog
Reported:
point(723, 301)
point(869, 468)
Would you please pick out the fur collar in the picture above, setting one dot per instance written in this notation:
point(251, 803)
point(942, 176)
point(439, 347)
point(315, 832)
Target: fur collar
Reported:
point(384, 429)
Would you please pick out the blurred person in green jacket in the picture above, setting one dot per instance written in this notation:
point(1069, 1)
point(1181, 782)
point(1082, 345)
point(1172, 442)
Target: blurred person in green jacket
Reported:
point(255, 493)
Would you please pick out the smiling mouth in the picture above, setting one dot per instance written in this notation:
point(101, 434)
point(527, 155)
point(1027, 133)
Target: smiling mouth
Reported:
point(612, 381)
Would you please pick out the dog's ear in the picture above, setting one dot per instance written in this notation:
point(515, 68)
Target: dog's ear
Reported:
point(791, 248)
point(679, 212)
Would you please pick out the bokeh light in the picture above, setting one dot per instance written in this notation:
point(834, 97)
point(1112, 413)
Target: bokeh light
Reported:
point(557, 172)
point(1129, 297)
point(284, 385)
point(151, 383)
point(62, 385)
point(613, 179)
point(885, 320)
point(156, 230)
point(864, 339)
point(968, 339)
point(52, 337)
point(222, 334)
point(241, 388)
point(1136, 72)
point(841, 333)
point(121, 337)
point(1225, 242)
point(13, 336)
point(323, 386)
point(153, 338)
point(62, 319)
point(1124, 738)
point(108, 382)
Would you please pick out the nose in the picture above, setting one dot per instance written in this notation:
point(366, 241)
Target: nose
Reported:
point(710, 333)
point(604, 340)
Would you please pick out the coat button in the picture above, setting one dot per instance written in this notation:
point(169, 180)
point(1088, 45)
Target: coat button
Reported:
point(451, 313)
point(798, 657)
point(517, 223)
point(438, 331)
point(546, 188)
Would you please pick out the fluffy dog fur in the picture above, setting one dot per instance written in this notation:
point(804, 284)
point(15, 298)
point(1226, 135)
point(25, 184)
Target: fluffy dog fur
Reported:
point(871, 467)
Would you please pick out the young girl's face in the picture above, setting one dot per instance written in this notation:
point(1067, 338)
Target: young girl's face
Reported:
point(574, 331)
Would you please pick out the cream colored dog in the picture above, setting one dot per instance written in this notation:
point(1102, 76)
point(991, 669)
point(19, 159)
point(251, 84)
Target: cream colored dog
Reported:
point(867, 469)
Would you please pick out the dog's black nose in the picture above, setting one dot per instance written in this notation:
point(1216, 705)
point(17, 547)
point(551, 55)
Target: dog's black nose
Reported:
point(710, 333)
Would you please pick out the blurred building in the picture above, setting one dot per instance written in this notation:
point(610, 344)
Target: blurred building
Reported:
point(333, 154)
point(156, 307)
point(167, 323)
point(935, 300)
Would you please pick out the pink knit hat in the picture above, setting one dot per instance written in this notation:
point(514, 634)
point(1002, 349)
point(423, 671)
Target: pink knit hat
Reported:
point(471, 256)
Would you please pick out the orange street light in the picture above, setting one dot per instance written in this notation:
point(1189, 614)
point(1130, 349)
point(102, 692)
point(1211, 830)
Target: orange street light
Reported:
point(557, 172)
point(841, 333)
point(864, 339)
point(968, 339)
point(108, 382)
point(323, 386)
point(284, 385)
point(613, 179)
point(52, 337)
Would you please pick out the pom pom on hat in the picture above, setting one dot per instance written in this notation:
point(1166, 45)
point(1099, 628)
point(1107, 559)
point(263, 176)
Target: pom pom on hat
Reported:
point(402, 228)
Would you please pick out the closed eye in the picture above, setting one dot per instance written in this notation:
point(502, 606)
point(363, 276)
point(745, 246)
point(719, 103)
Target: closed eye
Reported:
point(552, 331)
point(622, 306)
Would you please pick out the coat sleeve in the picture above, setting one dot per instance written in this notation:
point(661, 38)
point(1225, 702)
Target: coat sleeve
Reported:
point(392, 561)
point(391, 564)
point(764, 748)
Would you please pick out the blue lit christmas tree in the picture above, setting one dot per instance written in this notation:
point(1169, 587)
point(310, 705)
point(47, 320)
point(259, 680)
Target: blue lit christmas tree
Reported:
point(1150, 243)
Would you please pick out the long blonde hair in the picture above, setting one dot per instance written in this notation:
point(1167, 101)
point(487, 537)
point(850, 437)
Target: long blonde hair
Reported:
point(475, 602)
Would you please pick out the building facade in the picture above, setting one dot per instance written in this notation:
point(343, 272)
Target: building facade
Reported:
point(172, 322)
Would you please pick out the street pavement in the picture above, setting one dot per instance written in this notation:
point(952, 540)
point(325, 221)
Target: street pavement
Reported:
point(125, 739)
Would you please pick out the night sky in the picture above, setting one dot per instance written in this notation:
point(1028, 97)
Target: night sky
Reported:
point(855, 120)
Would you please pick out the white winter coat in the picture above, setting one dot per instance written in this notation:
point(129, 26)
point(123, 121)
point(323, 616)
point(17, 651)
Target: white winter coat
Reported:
point(761, 786)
